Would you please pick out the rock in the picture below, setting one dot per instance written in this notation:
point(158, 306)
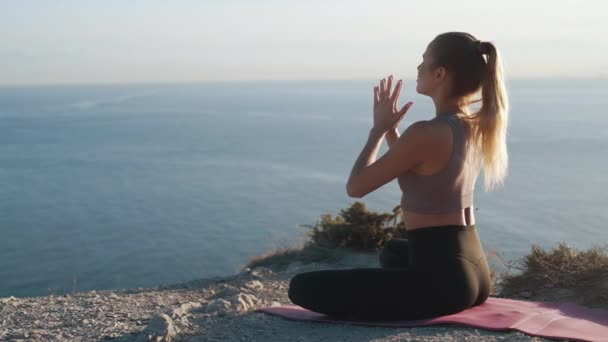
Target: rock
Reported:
point(219, 306)
point(184, 321)
point(261, 272)
point(183, 309)
point(159, 328)
point(19, 335)
point(246, 301)
point(525, 294)
point(275, 303)
point(39, 332)
point(8, 300)
point(226, 291)
point(254, 284)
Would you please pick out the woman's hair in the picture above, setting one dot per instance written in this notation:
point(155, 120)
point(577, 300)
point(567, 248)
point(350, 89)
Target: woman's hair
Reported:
point(463, 57)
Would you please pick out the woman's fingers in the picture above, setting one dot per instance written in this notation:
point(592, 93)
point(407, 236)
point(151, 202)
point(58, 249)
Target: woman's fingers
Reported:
point(384, 91)
point(396, 92)
point(375, 96)
point(406, 108)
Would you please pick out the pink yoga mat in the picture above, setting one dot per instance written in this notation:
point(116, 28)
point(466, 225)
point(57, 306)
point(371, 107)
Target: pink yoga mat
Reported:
point(544, 319)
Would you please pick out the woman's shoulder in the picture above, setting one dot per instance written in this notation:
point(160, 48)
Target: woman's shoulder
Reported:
point(433, 130)
point(426, 137)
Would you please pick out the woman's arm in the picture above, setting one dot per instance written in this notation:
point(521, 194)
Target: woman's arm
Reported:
point(392, 136)
point(366, 157)
point(407, 152)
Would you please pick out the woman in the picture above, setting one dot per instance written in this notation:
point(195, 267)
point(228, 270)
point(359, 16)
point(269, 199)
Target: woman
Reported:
point(440, 268)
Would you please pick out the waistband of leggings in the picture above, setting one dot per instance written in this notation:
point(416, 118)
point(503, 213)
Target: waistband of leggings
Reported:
point(426, 231)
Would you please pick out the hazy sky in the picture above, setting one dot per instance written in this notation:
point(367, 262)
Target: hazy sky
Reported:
point(82, 41)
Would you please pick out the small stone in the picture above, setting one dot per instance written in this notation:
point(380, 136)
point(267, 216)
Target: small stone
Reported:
point(525, 294)
point(218, 305)
point(227, 291)
point(160, 328)
point(254, 284)
point(184, 309)
point(261, 272)
point(246, 301)
point(19, 335)
point(275, 303)
point(39, 332)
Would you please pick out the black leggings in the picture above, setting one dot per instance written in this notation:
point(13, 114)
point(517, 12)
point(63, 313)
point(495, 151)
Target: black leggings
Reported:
point(436, 271)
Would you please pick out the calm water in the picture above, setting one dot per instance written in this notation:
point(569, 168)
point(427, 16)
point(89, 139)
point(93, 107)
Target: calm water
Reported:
point(136, 185)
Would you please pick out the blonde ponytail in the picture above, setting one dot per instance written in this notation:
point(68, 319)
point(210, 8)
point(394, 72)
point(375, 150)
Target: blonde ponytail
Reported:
point(489, 131)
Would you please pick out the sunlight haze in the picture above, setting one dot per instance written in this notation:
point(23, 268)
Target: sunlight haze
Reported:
point(162, 41)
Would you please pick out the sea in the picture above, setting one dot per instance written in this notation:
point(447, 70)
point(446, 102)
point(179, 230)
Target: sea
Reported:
point(115, 186)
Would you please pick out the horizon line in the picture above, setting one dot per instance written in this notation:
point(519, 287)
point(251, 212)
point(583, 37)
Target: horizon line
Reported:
point(175, 82)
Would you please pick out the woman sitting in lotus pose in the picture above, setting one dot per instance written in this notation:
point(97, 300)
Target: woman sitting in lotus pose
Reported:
point(440, 268)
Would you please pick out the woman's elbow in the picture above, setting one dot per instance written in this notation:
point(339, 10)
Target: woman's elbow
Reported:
point(351, 192)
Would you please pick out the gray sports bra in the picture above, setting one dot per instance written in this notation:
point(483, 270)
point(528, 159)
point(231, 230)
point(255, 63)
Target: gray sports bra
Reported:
point(449, 189)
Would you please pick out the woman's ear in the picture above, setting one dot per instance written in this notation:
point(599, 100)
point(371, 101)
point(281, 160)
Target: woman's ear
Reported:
point(441, 73)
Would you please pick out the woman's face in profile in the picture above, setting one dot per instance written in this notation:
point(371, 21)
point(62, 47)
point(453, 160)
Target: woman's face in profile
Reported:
point(424, 81)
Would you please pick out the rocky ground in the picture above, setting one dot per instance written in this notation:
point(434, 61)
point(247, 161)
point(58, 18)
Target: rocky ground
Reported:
point(217, 309)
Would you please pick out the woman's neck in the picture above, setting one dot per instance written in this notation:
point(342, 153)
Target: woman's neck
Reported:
point(446, 106)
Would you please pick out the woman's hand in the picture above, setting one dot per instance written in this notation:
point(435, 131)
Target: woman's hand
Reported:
point(386, 115)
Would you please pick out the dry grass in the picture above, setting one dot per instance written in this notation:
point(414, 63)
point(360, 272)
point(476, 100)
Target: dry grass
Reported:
point(494, 274)
point(562, 273)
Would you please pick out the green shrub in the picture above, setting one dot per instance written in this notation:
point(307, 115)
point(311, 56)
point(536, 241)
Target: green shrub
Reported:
point(357, 228)
point(354, 229)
